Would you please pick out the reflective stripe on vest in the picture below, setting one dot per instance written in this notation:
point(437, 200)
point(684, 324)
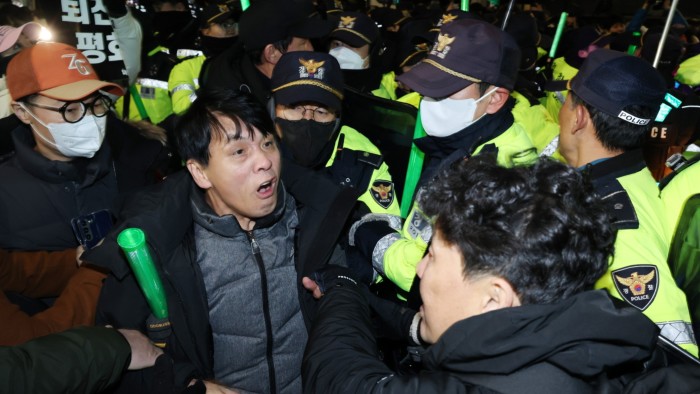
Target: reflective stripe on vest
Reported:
point(183, 86)
point(181, 53)
point(679, 332)
point(152, 83)
point(550, 148)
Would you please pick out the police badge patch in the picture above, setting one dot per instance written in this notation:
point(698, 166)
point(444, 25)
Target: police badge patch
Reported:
point(637, 284)
point(383, 192)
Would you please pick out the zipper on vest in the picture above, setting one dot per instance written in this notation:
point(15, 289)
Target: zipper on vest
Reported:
point(266, 310)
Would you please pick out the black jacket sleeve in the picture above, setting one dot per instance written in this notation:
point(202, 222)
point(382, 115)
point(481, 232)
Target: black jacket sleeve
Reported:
point(341, 355)
point(85, 359)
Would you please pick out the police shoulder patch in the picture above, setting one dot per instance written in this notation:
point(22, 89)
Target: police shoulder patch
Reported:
point(382, 192)
point(637, 284)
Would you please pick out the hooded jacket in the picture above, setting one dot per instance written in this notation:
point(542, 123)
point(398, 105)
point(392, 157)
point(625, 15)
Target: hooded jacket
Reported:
point(556, 348)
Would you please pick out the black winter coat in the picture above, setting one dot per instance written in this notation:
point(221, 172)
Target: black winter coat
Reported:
point(39, 197)
point(557, 348)
point(164, 211)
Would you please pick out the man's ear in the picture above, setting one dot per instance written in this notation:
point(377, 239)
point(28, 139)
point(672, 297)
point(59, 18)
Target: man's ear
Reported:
point(199, 174)
point(583, 118)
point(497, 99)
point(271, 54)
point(500, 295)
point(21, 113)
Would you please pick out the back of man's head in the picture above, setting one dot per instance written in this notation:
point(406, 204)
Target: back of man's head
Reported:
point(275, 22)
point(622, 94)
point(539, 227)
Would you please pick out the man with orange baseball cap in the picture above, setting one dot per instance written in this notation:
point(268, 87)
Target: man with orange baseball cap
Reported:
point(62, 168)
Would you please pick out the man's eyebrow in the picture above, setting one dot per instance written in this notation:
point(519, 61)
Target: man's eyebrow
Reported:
point(232, 137)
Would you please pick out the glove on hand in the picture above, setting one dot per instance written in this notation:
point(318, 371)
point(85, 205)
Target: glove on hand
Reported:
point(368, 231)
point(332, 276)
point(391, 221)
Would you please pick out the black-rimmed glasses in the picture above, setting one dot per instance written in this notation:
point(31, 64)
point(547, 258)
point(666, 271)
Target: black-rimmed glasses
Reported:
point(318, 114)
point(74, 111)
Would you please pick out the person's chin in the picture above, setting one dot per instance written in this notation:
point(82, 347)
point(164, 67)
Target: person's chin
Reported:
point(267, 205)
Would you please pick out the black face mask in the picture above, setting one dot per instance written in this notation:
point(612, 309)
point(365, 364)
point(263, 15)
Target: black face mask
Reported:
point(310, 142)
point(215, 45)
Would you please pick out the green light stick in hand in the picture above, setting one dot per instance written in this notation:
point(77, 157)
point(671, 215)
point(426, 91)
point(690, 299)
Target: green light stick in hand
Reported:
point(133, 243)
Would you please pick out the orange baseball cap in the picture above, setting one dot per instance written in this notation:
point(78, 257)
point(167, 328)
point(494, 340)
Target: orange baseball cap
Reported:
point(54, 70)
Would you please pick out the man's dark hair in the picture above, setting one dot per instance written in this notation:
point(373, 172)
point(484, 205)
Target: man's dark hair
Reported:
point(255, 55)
point(539, 227)
point(196, 127)
point(613, 132)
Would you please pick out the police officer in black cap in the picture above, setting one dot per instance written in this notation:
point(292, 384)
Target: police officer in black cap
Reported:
point(604, 120)
point(307, 91)
point(466, 109)
point(357, 45)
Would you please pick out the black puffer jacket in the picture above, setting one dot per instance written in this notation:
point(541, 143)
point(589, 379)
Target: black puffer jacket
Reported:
point(164, 213)
point(557, 348)
point(39, 197)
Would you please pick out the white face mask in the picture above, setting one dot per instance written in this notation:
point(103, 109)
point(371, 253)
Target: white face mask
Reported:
point(82, 139)
point(442, 118)
point(348, 59)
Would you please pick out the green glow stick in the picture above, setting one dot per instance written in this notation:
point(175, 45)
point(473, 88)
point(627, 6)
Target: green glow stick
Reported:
point(465, 5)
point(557, 35)
point(415, 167)
point(632, 48)
point(245, 4)
point(133, 243)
